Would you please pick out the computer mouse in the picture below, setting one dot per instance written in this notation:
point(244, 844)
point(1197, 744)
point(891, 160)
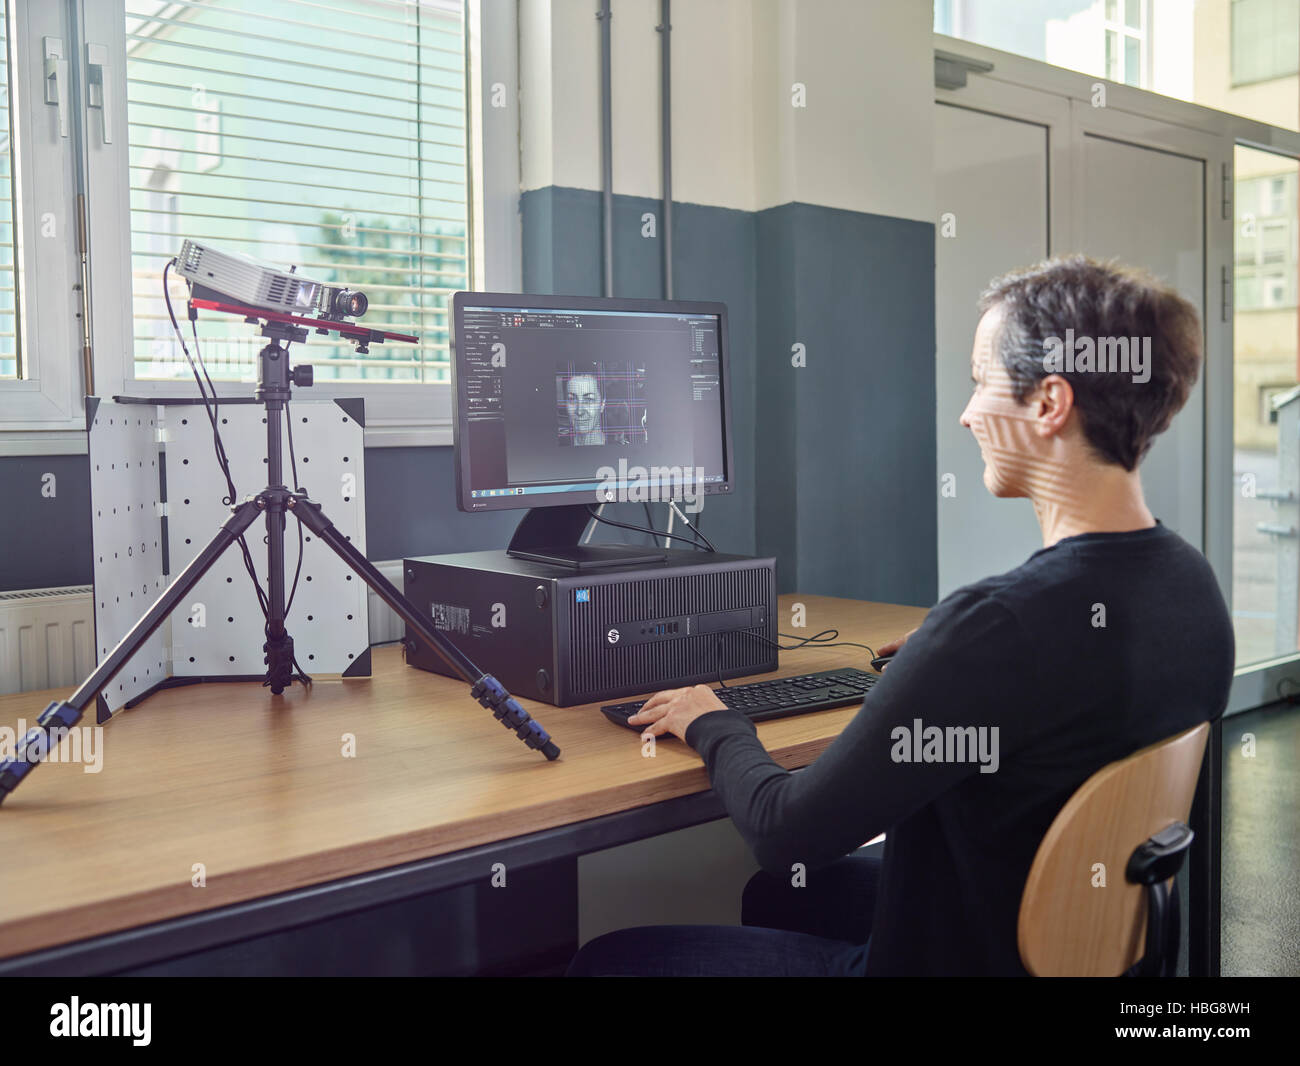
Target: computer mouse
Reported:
point(880, 661)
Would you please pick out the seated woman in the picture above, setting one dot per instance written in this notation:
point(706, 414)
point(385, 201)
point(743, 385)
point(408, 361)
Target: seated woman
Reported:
point(1013, 692)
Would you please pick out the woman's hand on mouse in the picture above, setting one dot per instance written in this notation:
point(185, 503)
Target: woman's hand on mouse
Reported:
point(893, 646)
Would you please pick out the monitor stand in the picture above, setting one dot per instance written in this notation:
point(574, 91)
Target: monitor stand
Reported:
point(554, 535)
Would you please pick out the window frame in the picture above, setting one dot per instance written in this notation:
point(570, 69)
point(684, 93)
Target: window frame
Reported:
point(398, 414)
point(42, 411)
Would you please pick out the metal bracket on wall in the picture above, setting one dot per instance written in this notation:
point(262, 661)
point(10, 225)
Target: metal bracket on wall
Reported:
point(951, 69)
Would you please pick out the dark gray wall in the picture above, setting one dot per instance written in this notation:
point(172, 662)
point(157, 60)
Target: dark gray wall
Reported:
point(44, 541)
point(846, 455)
point(834, 462)
point(411, 507)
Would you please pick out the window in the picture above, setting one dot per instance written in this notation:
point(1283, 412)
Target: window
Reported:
point(1265, 252)
point(1247, 291)
point(341, 137)
point(326, 134)
point(9, 353)
point(1125, 41)
point(1276, 196)
point(1275, 289)
point(1265, 40)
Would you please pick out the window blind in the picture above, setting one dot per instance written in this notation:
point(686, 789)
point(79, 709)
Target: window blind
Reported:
point(326, 134)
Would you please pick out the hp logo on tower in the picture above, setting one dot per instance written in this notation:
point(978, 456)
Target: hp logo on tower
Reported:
point(612, 636)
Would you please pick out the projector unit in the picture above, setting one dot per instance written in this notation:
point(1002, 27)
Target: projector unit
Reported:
point(564, 636)
point(232, 277)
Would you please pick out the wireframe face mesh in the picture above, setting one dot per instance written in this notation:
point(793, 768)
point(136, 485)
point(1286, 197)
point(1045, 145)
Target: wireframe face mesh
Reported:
point(597, 401)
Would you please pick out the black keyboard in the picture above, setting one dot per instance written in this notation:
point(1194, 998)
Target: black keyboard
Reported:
point(777, 698)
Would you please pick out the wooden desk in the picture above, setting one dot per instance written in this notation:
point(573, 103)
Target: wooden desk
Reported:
point(256, 788)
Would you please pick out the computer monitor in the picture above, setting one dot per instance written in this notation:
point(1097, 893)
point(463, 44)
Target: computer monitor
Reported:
point(563, 403)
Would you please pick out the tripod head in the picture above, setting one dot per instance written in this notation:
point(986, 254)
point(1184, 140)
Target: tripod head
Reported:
point(274, 375)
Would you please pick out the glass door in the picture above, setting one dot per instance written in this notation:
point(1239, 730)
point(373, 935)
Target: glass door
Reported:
point(1266, 407)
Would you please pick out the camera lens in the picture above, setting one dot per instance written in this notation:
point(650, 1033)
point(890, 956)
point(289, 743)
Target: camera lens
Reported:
point(350, 303)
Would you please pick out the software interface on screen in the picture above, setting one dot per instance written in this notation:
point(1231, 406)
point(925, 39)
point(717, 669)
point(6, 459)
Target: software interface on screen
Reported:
point(562, 401)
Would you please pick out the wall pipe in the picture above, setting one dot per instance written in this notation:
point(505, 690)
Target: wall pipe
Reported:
point(666, 140)
point(606, 145)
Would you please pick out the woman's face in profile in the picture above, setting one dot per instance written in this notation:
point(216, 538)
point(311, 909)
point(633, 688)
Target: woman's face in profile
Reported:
point(1002, 425)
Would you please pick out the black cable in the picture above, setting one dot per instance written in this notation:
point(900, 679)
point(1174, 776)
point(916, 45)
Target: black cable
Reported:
point(203, 394)
point(211, 407)
point(824, 639)
point(720, 681)
point(293, 473)
point(641, 529)
point(689, 525)
point(193, 315)
point(293, 468)
point(223, 459)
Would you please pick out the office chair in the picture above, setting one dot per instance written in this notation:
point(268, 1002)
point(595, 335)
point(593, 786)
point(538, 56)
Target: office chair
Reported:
point(1130, 816)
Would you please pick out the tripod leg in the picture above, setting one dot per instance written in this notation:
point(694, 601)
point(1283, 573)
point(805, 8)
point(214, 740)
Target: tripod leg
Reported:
point(60, 716)
point(486, 688)
point(279, 645)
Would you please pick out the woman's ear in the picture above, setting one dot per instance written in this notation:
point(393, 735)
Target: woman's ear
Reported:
point(1053, 402)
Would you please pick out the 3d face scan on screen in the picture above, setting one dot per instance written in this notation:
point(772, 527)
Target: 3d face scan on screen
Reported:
point(578, 402)
point(600, 400)
point(584, 408)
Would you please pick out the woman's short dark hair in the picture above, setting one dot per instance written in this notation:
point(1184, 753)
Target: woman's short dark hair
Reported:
point(1103, 304)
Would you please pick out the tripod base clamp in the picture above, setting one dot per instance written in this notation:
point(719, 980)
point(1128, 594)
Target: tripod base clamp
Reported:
point(279, 662)
point(36, 744)
point(493, 695)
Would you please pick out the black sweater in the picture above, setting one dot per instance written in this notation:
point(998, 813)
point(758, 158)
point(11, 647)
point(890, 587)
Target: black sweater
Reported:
point(1093, 648)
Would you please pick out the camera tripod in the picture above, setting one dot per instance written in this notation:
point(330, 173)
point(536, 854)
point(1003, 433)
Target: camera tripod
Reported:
point(276, 502)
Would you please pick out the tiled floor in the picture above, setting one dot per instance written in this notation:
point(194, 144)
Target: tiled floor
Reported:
point(1261, 843)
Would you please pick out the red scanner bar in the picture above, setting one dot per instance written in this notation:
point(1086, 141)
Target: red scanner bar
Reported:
point(345, 329)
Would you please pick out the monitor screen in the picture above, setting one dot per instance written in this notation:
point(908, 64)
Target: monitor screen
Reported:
point(563, 400)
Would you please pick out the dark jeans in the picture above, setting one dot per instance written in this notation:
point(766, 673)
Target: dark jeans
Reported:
point(820, 930)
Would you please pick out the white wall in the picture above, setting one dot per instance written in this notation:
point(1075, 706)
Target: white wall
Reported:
point(862, 142)
point(713, 144)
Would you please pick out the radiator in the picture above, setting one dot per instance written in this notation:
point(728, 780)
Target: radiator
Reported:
point(46, 638)
point(47, 635)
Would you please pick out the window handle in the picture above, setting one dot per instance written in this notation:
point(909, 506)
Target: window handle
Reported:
point(56, 80)
point(98, 87)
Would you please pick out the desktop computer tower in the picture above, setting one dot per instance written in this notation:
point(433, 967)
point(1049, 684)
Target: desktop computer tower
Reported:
point(570, 636)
